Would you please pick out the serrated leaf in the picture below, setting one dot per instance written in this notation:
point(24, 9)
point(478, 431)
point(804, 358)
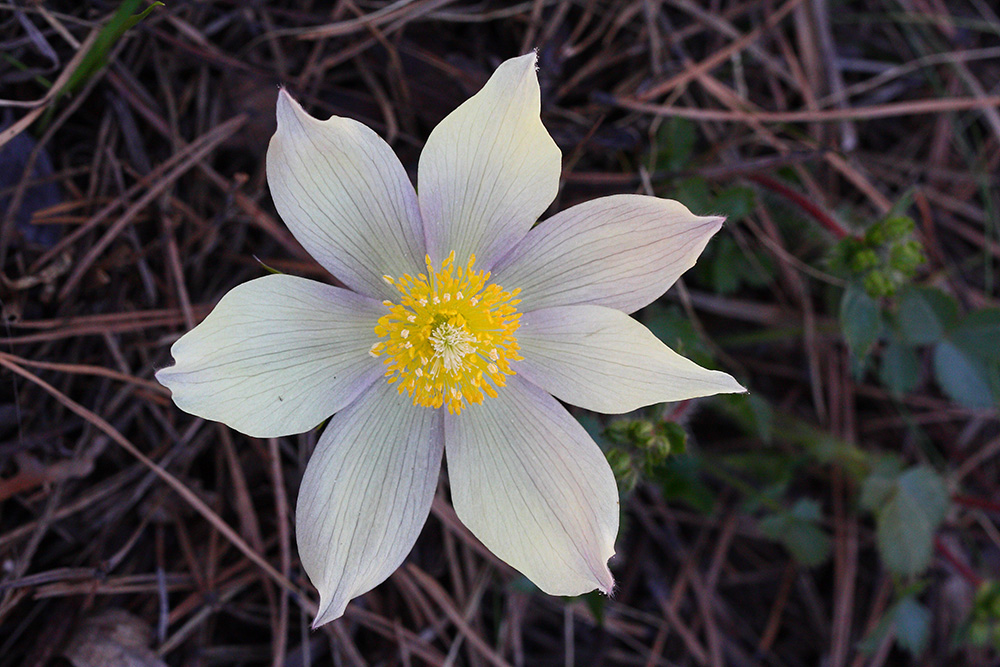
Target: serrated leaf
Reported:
point(725, 261)
point(900, 368)
point(875, 490)
point(860, 319)
point(676, 138)
point(979, 333)
point(797, 531)
point(671, 326)
point(964, 377)
point(908, 518)
point(807, 509)
point(675, 436)
point(735, 202)
point(695, 194)
point(680, 481)
point(913, 624)
point(925, 315)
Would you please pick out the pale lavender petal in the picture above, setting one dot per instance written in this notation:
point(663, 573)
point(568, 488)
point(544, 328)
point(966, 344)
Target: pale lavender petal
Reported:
point(276, 356)
point(366, 494)
point(601, 359)
point(489, 169)
point(346, 198)
point(621, 251)
point(534, 488)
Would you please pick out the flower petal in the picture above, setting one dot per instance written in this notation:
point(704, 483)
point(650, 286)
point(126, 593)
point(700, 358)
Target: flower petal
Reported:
point(489, 169)
point(534, 488)
point(601, 359)
point(621, 251)
point(346, 198)
point(276, 356)
point(366, 494)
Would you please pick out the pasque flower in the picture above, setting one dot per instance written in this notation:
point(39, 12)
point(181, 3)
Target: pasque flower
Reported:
point(458, 325)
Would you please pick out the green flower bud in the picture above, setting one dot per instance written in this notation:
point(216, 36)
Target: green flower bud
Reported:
point(906, 257)
point(897, 227)
point(621, 462)
point(877, 284)
point(863, 260)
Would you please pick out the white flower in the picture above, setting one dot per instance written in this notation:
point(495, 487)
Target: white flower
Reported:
point(459, 323)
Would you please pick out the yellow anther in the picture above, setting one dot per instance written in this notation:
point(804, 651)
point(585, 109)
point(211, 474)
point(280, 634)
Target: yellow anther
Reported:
point(445, 350)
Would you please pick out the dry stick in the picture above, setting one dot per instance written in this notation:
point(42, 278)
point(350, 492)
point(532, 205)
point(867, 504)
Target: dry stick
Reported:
point(185, 493)
point(402, 11)
point(971, 578)
point(898, 71)
point(768, 229)
point(848, 133)
point(433, 588)
point(731, 99)
point(845, 567)
point(257, 216)
point(471, 606)
point(720, 56)
point(195, 152)
point(720, 23)
point(530, 34)
point(875, 615)
point(284, 547)
point(888, 110)
point(382, 626)
point(773, 624)
point(85, 369)
point(817, 213)
point(118, 325)
point(177, 272)
point(25, 122)
point(671, 605)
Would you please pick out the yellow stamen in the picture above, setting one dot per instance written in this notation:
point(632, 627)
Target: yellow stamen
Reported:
point(445, 349)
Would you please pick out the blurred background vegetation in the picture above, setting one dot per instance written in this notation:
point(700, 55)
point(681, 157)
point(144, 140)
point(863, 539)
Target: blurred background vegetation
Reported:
point(844, 512)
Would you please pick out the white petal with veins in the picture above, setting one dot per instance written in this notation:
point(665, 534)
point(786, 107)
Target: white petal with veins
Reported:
point(621, 251)
point(534, 488)
point(346, 198)
point(366, 494)
point(276, 356)
point(601, 359)
point(489, 169)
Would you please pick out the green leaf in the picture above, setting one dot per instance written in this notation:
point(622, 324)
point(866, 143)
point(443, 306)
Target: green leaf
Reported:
point(675, 140)
point(797, 531)
point(925, 315)
point(695, 194)
point(908, 620)
point(725, 261)
point(880, 481)
point(900, 368)
point(269, 269)
point(979, 333)
point(860, 319)
point(913, 624)
point(96, 58)
point(681, 482)
point(964, 377)
point(910, 511)
point(736, 202)
point(673, 327)
point(675, 437)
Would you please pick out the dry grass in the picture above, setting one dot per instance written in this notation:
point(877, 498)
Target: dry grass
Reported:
point(149, 201)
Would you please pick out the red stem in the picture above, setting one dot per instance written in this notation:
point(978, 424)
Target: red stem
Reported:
point(976, 503)
point(821, 216)
point(971, 577)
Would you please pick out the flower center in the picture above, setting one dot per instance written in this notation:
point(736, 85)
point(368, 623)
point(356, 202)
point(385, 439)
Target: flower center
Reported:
point(450, 338)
